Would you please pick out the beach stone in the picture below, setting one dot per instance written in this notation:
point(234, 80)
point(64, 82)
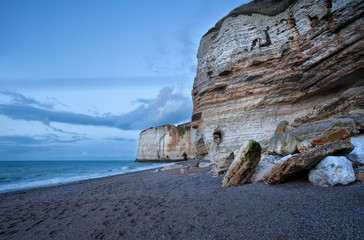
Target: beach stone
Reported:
point(357, 155)
point(193, 165)
point(340, 134)
point(359, 177)
point(290, 168)
point(244, 164)
point(305, 146)
point(283, 142)
point(182, 171)
point(171, 167)
point(332, 171)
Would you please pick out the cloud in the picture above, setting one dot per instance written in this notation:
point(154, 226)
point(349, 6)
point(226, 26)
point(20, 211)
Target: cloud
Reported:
point(143, 101)
point(18, 98)
point(19, 144)
point(167, 108)
point(28, 140)
point(62, 131)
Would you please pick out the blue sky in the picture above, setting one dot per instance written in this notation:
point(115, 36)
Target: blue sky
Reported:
point(79, 80)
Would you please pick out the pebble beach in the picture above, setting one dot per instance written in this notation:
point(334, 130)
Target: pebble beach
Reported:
point(168, 205)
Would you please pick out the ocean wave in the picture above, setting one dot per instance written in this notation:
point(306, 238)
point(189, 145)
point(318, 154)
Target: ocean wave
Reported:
point(8, 185)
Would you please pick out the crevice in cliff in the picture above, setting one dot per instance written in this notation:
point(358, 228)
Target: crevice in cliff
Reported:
point(258, 41)
point(329, 4)
point(345, 24)
point(219, 89)
point(196, 116)
point(268, 42)
point(314, 21)
point(252, 78)
point(225, 73)
point(341, 84)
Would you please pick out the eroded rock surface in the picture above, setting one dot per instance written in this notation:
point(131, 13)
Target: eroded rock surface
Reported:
point(244, 164)
point(293, 166)
point(167, 143)
point(270, 61)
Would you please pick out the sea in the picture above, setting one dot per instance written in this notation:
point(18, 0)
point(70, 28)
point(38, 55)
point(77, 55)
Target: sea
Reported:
point(20, 175)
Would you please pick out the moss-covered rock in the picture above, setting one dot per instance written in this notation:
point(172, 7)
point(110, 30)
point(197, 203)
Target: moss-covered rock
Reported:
point(244, 164)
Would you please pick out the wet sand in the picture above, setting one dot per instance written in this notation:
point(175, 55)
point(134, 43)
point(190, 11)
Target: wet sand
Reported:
point(167, 205)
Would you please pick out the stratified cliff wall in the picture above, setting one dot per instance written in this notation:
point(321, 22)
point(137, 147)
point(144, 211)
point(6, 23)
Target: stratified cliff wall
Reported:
point(273, 60)
point(167, 143)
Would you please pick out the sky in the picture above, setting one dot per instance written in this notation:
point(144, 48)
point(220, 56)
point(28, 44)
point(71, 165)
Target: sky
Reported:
point(79, 79)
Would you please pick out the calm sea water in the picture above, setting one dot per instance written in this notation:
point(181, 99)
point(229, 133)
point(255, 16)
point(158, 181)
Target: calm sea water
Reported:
point(18, 175)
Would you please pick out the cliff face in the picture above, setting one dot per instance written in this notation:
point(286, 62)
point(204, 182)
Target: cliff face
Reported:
point(269, 61)
point(167, 143)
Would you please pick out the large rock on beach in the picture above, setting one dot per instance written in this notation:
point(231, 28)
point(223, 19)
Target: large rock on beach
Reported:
point(291, 168)
point(269, 61)
point(244, 164)
point(332, 171)
point(265, 165)
point(357, 155)
point(283, 142)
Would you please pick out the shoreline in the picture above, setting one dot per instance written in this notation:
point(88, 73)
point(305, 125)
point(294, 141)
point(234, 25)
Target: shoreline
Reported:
point(168, 205)
point(161, 165)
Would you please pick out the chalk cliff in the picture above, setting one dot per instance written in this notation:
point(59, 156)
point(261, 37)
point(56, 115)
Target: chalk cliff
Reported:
point(167, 143)
point(274, 60)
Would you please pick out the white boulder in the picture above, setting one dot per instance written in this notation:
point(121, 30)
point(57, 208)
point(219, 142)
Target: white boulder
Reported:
point(332, 171)
point(357, 155)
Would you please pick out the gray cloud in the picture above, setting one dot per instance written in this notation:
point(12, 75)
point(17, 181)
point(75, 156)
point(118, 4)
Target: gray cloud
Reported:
point(167, 108)
point(62, 131)
point(18, 98)
point(20, 144)
point(28, 140)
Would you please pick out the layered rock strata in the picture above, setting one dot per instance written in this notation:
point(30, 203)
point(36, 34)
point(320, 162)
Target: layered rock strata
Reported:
point(269, 61)
point(167, 143)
